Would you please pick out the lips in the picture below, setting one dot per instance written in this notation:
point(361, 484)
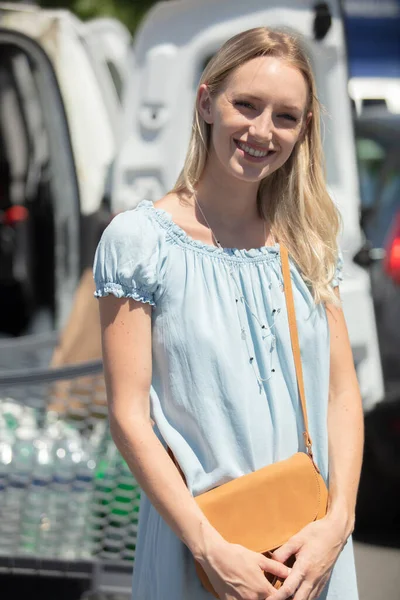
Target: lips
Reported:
point(254, 151)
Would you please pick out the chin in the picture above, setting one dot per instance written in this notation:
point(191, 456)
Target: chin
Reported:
point(251, 175)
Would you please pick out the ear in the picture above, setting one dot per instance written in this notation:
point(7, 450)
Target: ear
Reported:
point(204, 103)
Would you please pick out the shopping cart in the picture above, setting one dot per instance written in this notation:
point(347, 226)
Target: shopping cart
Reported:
point(68, 503)
point(27, 352)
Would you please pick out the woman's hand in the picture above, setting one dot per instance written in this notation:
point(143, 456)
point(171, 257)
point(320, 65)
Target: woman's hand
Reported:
point(236, 572)
point(316, 548)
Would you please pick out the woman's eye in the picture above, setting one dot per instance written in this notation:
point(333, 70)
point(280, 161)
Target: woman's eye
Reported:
point(244, 104)
point(288, 117)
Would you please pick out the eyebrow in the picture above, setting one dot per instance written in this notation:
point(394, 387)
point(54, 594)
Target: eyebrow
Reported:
point(257, 98)
point(291, 107)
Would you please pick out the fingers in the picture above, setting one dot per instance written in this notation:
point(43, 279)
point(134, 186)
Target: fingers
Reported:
point(274, 567)
point(269, 589)
point(289, 549)
point(290, 586)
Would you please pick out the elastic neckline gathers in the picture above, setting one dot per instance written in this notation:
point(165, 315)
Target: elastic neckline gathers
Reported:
point(181, 237)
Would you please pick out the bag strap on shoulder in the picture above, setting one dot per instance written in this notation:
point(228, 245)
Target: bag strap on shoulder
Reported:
point(294, 336)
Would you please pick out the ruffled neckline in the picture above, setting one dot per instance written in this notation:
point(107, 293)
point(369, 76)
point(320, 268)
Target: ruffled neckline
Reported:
point(165, 219)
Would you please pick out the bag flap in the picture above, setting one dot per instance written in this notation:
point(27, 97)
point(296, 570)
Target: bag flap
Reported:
point(263, 509)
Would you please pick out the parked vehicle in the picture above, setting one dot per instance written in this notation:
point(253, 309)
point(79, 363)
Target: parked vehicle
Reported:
point(108, 42)
point(378, 503)
point(58, 135)
point(372, 35)
point(378, 135)
point(171, 48)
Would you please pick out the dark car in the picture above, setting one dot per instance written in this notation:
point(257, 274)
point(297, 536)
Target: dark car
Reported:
point(378, 141)
point(378, 505)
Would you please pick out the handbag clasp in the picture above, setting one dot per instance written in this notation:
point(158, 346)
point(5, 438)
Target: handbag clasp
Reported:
point(308, 443)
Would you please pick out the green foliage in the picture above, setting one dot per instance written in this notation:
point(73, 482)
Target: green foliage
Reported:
point(128, 11)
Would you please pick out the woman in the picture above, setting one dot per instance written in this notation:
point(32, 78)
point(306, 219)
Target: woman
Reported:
point(194, 316)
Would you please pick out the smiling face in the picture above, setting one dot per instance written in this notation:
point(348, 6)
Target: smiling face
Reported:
point(257, 118)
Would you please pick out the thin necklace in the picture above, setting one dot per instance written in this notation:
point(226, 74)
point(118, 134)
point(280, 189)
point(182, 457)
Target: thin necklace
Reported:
point(266, 329)
point(217, 242)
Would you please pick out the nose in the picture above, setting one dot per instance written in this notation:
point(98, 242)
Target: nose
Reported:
point(262, 127)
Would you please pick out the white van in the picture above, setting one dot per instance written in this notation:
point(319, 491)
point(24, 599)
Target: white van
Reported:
point(58, 133)
point(108, 42)
point(170, 50)
point(375, 93)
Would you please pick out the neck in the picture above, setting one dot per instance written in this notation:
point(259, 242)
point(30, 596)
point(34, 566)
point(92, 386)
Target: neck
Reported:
point(226, 200)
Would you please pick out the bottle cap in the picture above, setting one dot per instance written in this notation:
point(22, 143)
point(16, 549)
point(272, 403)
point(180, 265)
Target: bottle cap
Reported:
point(25, 433)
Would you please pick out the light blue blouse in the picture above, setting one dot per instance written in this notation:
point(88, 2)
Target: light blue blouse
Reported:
point(224, 393)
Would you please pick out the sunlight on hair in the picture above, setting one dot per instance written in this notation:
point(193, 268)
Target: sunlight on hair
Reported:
point(293, 199)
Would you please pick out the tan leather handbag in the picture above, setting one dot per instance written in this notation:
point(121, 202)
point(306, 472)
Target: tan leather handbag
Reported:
point(263, 509)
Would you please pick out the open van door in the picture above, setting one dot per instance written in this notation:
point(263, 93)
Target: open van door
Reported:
point(108, 42)
point(170, 50)
point(57, 145)
point(44, 264)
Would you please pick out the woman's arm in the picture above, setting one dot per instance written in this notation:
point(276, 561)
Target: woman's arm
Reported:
point(345, 426)
point(126, 339)
point(319, 544)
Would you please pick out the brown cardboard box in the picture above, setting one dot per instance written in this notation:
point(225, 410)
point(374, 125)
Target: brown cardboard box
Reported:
point(80, 342)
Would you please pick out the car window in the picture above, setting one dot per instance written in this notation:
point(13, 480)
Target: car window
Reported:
point(116, 77)
point(370, 157)
point(379, 173)
point(389, 202)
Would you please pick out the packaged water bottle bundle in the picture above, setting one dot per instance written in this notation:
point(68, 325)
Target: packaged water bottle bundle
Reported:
point(63, 493)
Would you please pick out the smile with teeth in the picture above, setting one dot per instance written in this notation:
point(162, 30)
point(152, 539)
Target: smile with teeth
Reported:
point(253, 151)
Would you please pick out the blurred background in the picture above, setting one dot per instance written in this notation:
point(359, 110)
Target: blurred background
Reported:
point(96, 101)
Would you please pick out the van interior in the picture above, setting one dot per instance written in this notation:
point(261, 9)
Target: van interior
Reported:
point(26, 204)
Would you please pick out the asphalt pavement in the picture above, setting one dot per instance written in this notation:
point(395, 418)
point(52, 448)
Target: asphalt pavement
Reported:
point(378, 572)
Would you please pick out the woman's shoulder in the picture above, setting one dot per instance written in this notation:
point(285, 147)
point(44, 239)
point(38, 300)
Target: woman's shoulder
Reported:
point(131, 221)
point(134, 229)
point(147, 216)
point(129, 255)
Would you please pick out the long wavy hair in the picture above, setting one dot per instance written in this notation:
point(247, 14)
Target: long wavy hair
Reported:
point(294, 198)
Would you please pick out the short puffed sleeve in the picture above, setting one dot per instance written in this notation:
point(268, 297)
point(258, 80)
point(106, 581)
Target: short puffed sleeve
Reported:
point(127, 259)
point(338, 277)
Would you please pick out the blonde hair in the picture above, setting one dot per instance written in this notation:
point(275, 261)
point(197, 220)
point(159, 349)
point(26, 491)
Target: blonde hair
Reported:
point(294, 198)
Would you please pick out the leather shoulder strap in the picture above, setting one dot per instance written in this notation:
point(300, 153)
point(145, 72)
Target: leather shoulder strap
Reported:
point(294, 336)
point(287, 282)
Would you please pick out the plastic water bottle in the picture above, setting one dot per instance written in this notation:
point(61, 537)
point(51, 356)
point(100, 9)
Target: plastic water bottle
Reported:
point(19, 428)
point(77, 541)
point(22, 464)
point(60, 490)
point(11, 413)
point(104, 484)
point(19, 482)
point(6, 444)
point(35, 519)
point(6, 449)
